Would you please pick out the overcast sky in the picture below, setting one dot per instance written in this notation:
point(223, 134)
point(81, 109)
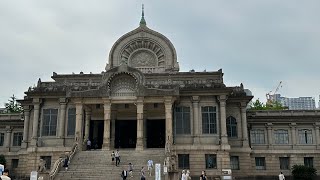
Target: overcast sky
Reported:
point(257, 43)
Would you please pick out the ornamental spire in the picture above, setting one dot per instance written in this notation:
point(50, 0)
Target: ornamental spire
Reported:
point(142, 21)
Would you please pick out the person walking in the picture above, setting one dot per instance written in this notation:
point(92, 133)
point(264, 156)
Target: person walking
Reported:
point(66, 163)
point(150, 166)
point(117, 156)
point(124, 174)
point(281, 176)
point(130, 169)
point(203, 175)
point(142, 173)
point(188, 175)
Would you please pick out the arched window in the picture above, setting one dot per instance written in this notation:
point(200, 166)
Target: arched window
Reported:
point(232, 127)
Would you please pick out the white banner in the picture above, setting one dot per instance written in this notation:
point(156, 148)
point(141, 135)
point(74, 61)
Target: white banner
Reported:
point(34, 175)
point(158, 172)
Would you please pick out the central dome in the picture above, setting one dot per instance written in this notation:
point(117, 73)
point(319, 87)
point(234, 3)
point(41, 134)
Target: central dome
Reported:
point(144, 49)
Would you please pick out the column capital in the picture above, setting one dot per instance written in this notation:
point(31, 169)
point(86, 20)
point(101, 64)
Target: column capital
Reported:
point(106, 100)
point(222, 98)
point(8, 129)
point(78, 101)
point(317, 124)
point(63, 100)
point(269, 125)
point(195, 99)
point(243, 105)
point(168, 99)
point(293, 125)
point(36, 100)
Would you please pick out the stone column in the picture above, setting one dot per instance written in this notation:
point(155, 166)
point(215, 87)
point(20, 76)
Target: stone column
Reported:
point(245, 140)
point(168, 110)
point(269, 131)
point(79, 117)
point(62, 120)
point(87, 125)
point(25, 127)
point(196, 130)
point(140, 144)
point(7, 143)
point(35, 123)
point(293, 134)
point(107, 117)
point(223, 123)
point(317, 135)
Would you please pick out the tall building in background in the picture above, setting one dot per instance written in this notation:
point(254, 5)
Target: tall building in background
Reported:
point(300, 103)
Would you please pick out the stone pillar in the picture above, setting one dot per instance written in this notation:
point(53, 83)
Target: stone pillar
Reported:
point(196, 129)
point(140, 143)
point(7, 143)
point(79, 117)
point(317, 138)
point(87, 125)
point(168, 110)
point(35, 123)
point(245, 139)
point(24, 144)
point(107, 117)
point(269, 131)
point(293, 134)
point(223, 123)
point(62, 120)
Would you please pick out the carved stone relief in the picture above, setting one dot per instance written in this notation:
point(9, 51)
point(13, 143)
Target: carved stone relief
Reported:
point(123, 85)
point(143, 59)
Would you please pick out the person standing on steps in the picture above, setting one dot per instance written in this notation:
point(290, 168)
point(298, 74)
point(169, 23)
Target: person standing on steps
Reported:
point(203, 175)
point(150, 167)
point(124, 174)
point(183, 175)
point(117, 156)
point(112, 157)
point(88, 145)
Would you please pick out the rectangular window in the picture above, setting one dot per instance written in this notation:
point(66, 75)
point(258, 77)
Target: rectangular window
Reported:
point(232, 127)
point(281, 136)
point(183, 161)
point(308, 161)
point(260, 163)
point(211, 161)
point(257, 136)
point(49, 125)
point(234, 162)
point(284, 163)
point(14, 163)
point(17, 139)
point(182, 120)
point(47, 160)
point(71, 122)
point(209, 120)
point(1, 139)
point(305, 136)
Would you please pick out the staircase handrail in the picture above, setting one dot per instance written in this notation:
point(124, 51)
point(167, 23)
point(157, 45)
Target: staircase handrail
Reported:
point(58, 163)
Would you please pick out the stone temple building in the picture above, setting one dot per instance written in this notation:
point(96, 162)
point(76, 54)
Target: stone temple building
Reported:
point(143, 105)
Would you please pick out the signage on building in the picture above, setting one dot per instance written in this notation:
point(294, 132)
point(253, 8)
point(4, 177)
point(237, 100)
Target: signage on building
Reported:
point(158, 172)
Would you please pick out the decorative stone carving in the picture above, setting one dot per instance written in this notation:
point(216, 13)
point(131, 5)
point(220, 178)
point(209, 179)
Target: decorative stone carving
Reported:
point(42, 165)
point(123, 85)
point(143, 59)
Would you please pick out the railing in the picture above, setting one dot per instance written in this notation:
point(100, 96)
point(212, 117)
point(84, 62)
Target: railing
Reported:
point(54, 171)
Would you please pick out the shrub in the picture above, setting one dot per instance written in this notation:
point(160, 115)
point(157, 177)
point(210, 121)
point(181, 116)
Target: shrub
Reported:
point(301, 172)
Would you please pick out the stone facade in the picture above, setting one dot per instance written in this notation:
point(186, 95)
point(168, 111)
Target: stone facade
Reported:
point(143, 101)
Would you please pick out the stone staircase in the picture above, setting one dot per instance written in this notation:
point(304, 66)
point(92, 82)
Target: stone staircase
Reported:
point(97, 165)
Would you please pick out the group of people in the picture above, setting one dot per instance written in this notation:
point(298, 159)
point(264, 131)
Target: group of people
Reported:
point(185, 175)
point(129, 173)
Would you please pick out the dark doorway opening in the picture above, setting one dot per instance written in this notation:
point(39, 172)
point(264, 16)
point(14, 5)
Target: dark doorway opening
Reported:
point(126, 134)
point(96, 133)
point(156, 133)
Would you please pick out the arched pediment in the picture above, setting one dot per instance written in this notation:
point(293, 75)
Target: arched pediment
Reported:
point(144, 49)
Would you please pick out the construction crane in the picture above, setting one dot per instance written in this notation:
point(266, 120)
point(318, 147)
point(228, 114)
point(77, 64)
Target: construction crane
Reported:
point(271, 94)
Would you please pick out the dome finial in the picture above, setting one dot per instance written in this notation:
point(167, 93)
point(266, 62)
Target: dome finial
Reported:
point(142, 21)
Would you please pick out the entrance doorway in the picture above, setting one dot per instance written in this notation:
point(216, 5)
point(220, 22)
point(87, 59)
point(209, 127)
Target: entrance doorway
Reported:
point(156, 133)
point(96, 133)
point(125, 134)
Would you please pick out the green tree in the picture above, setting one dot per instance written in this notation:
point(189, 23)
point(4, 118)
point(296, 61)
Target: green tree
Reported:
point(272, 105)
point(2, 160)
point(301, 172)
point(13, 106)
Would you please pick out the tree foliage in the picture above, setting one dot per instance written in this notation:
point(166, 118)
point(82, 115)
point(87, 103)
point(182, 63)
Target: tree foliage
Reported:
point(301, 172)
point(12, 106)
point(2, 160)
point(272, 105)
